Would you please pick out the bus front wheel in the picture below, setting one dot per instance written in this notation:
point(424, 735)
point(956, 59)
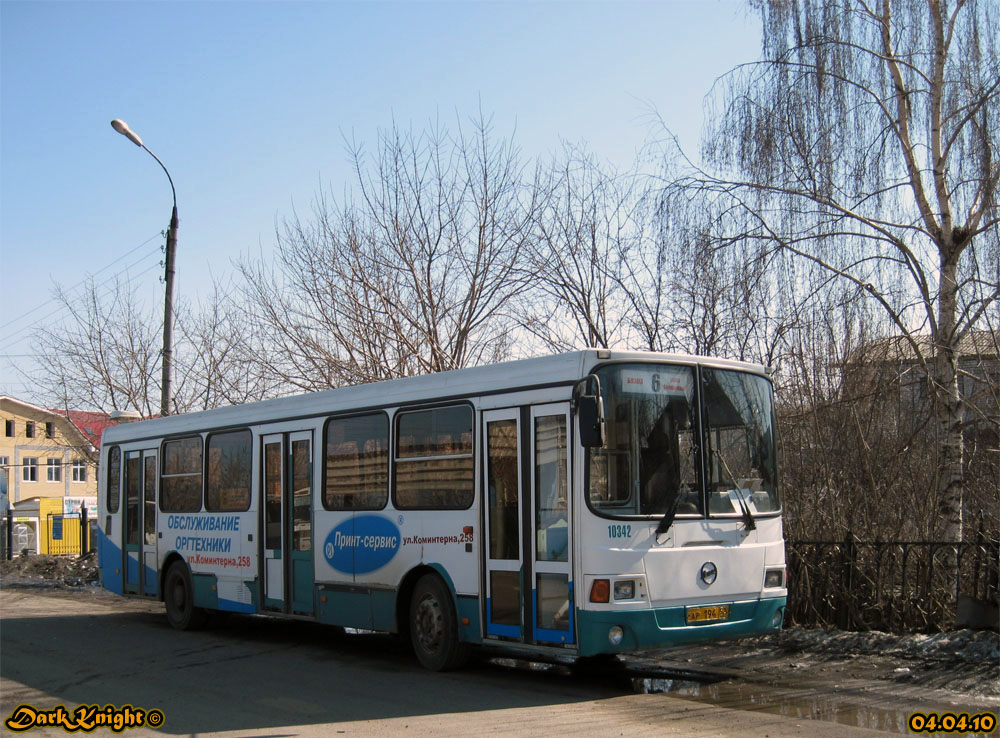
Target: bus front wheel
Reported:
point(434, 626)
point(178, 596)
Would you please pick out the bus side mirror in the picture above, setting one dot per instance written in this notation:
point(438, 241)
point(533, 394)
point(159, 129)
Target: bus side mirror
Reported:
point(590, 414)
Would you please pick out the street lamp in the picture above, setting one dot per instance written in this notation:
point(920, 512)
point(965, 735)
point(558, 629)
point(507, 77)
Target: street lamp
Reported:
point(168, 277)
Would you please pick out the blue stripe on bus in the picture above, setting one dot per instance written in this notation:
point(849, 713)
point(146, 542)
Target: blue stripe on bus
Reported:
point(548, 635)
point(234, 606)
point(110, 556)
point(499, 629)
point(151, 582)
point(132, 570)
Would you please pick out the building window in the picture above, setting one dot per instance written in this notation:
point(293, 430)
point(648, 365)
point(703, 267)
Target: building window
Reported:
point(54, 469)
point(29, 428)
point(8, 426)
point(4, 461)
point(50, 430)
point(79, 470)
point(29, 469)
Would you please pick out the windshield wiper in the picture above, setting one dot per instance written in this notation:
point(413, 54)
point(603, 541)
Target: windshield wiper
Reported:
point(668, 517)
point(748, 520)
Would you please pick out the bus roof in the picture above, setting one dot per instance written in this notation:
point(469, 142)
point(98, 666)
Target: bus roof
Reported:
point(521, 374)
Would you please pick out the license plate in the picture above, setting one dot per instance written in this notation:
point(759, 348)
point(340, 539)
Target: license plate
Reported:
point(707, 614)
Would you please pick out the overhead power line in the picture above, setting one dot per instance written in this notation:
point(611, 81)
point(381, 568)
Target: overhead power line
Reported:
point(11, 338)
point(83, 281)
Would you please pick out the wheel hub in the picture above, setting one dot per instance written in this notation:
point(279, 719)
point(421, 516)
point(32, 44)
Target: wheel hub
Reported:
point(179, 595)
point(430, 624)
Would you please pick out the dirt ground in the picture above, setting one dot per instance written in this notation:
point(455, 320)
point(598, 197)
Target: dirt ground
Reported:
point(50, 571)
point(955, 666)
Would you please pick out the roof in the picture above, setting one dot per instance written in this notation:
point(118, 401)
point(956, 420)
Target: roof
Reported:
point(30, 406)
point(524, 374)
point(87, 424)
point(982, 344)
point(91, 424)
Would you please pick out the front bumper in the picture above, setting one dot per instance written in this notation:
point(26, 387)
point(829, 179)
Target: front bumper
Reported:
point(666, 627)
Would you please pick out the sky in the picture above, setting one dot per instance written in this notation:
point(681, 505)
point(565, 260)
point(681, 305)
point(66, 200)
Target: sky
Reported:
point(250, 104)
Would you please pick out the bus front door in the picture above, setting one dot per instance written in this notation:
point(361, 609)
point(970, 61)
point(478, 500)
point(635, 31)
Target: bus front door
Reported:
point(139, 523)
point(287, 570)
point(529, 581)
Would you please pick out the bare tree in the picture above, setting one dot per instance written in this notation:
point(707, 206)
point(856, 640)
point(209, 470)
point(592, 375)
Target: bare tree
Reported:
point(853, 435)
point(105, 354)
point(216, 364)
point(414, 274)
point(865, 143)
point(582, 230)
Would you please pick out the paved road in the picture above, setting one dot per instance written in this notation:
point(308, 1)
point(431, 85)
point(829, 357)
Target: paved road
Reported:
point(260, 677)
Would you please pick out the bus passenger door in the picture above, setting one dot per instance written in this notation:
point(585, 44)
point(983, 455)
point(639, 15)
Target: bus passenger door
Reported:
point(273, 573)
point(503, 524)
point(529, 584)
point(150, 580)
point(139, 523)
point(287, 509)
point(298, 532)
point(552, 536)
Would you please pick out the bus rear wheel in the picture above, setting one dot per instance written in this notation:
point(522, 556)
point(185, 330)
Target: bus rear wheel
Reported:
point(434, 626)
point(178, 596)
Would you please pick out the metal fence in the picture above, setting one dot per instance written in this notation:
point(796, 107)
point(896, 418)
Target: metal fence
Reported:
point(897, 586)
point(67, 534)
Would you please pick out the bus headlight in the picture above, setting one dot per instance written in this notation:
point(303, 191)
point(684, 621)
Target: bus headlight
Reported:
point(625, 589)
point(774, 578)
point(779, 615)
point(616, 635)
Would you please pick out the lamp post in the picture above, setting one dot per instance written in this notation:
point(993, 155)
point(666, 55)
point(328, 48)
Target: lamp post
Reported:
point(168, 276)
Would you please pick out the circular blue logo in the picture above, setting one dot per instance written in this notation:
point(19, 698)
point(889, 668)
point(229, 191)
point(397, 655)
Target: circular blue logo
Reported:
point(362, 544)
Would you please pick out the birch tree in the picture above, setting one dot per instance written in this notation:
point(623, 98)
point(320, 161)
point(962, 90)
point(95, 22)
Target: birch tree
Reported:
point(865, 142)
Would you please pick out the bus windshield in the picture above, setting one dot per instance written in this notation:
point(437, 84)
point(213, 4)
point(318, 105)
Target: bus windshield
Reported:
point(651, 463)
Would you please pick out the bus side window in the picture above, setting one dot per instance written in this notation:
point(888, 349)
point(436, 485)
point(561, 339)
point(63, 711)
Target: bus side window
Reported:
point(434, 467)
point(180, 480)
point(356, 463)
point(227, 488)
point(114, 478)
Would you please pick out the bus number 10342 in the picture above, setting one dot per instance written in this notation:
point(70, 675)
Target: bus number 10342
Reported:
point(619, 531)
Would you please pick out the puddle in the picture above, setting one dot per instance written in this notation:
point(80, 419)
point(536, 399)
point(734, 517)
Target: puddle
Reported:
point(874, 712)
point(521, 665)
point(804, 704)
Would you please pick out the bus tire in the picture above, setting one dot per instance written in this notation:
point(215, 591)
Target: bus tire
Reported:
point(434, 626)
point(178, 596)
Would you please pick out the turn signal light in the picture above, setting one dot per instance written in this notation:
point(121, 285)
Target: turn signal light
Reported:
point(600, 590)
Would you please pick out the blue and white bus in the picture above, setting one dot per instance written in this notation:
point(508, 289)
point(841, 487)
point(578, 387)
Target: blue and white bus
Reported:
point(594, 502)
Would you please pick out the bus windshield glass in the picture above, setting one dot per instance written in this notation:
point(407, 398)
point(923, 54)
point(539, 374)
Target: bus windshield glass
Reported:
point(650, 465)
point(739, 442)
